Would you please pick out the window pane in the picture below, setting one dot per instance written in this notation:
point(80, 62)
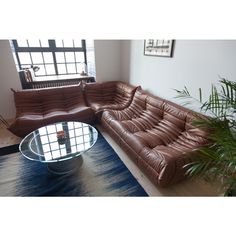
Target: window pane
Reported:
point(60, 57)
point(22, 43)
point(48, 57)
point(71, 133)
point(90, 58)
point(86, 130)
point(72, 141)
point(44, 42)
point(79, 56)
point(37, 57)
point(44, 139)
point(42, 131)
point(63, 152)
point(79, 139)
point(24, 58)
point(46, 148)
point(33, 42)
point(51, 129)
point(56, 154)
point(71, 68)
point(80, 67)
point(78, 125)
point(48, 156)
point(89, 44)
point(78, 43)
point(41, 70)
point(59, 127)
point(25, 66)
point(61, 68)
point(70, 57)
point(73, 149)
point(59, 43)
point(68, 43)
point(80, 147)
point(86, 138)
point(50, 69)
point(54, 146)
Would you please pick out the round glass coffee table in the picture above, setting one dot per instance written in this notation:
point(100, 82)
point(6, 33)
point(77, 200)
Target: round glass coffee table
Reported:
point(60, 145)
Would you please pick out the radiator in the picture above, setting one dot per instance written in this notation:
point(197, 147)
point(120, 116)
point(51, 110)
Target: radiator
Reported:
point(55, 83)
point(47, 84)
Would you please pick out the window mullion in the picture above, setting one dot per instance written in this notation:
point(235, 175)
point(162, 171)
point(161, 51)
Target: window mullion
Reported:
point(76, 71)
point(85, 53)
point(15, 44)
point(52, 46)
point(30, 54)
point(65, 56)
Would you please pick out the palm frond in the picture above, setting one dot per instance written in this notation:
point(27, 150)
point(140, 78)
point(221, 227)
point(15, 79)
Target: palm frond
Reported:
point(218, 159)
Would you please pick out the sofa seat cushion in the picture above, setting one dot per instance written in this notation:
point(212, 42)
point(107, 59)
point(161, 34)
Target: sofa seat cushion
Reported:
point(77, 112)
point(27, 123)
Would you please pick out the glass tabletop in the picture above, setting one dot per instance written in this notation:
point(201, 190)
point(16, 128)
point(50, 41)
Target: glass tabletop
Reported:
point(58, 142)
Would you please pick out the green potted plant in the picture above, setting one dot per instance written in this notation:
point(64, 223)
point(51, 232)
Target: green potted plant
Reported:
point(217, 161)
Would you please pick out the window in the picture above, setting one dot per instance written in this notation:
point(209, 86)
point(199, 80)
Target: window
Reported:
point(52, 57)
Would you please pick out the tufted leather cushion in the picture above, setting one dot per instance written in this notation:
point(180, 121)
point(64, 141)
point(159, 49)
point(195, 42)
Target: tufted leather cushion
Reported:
point(112, 95)
point(39, 107)
point(159, 133)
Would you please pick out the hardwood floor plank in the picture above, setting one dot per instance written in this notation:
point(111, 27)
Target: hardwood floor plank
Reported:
point(6, 137)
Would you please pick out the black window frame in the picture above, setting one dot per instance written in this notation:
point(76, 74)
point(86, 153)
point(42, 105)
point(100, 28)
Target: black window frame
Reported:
point(53, 49)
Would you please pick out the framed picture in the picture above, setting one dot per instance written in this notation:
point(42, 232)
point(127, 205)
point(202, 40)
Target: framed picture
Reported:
point(158, 47)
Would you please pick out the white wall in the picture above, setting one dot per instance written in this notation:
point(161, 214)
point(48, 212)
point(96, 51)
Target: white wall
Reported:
point(107, 60)
point(195, 63)
point(8, 79)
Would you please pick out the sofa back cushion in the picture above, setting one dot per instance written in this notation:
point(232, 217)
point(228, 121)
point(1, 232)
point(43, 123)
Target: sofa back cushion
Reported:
point(41, 101)
point(124, 92)
point(109, 92)
point(93, 92)
point(154, 110)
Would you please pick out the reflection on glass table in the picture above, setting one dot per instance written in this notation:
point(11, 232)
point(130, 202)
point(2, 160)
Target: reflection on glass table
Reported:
point(59, 142)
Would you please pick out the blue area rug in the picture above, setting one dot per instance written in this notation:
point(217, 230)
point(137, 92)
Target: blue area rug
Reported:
point(102, 173)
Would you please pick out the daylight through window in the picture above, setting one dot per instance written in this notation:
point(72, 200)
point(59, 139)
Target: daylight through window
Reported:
point(53, 57)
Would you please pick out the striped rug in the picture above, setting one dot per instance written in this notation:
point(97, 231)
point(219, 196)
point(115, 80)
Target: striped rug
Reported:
point(101, 173)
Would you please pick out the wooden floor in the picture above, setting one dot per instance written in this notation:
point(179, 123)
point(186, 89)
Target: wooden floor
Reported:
point(195, 187)
point(6, 137)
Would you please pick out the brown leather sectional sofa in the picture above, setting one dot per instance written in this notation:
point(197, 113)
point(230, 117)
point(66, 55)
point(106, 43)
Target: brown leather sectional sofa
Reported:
point(156, 133)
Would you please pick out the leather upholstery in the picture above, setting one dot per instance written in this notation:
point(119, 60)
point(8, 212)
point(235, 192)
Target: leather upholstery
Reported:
point(158, 133)
point(39, 107)
point(109, 95)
